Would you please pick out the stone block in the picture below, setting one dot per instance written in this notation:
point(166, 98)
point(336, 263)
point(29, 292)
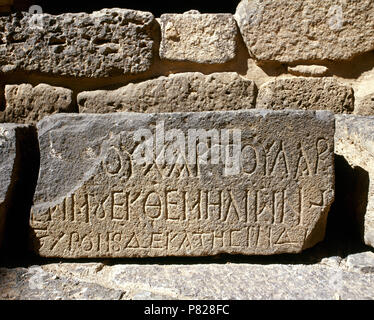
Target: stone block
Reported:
point(306, 30)
point(183, 184)
point(199, 38)
point(28, 104)
point(306, 94)
point(185, 92)
point(106, 43)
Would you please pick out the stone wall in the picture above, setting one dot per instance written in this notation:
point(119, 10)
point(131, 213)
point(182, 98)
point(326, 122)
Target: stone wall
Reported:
point(295, 78)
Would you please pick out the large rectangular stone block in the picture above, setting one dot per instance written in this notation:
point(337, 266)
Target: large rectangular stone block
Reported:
point(182, 92)
point(306, 30)
point(183, 184)
point(105, 43)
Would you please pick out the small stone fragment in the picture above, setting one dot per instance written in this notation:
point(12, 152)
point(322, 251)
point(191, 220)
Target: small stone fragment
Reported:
point(175, 93)
point(200, 38)
point(332, 261)
point(362, 262)
point(183, 184)
point(28, 104)
point(354, 140)
point(306, 94)
point(308, 70)
point(365, 105)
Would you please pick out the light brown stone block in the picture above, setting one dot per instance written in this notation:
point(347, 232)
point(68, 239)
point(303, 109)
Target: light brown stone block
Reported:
point(200, 38)
point(184, 92)
point(306, 30)
point(28, 104)
point(306, 94)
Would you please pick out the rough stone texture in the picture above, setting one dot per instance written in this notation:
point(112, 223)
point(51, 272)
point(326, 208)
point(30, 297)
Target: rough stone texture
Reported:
point(34, 283)
point(288, 31)
point(365, 106)
point(363, 262)
point(94, 198)
point(11, 136)
point(200, 38)
point(28, 104)
point(354, 140)
point(175, 93)
point(102, 44)
point(306, 93)
point(235, 281)
point(308, 70)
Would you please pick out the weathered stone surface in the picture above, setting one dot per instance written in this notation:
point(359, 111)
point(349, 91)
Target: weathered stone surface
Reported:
point(28, 104)
point(308, 70)
point(11, 136)
point(175, 93)
point(291, 31)
point(306, 93)
point(365, 106)
point(232, 281)
point(34, 283)
point(200, 38)
point(354, 140)
point(102, 44)
point(270, 194)
point(362, 262)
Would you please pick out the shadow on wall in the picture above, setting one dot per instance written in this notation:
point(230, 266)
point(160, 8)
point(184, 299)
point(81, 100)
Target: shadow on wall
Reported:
point(156, 7)
point(345, 223)
point(16, 238)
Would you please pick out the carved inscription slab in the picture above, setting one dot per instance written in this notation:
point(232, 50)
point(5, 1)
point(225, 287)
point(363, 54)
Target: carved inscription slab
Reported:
point(183, 184)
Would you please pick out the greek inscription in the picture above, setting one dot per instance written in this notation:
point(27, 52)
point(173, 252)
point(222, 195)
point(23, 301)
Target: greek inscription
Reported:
point(254, 236)
point(152, 206)
point(302, 166)
point(323, 155)
point(244, 182)
point(232, 209)
point(249, 159)
point(172, 209)
point(157, 241)
point(113, 162)
point(120, 206)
